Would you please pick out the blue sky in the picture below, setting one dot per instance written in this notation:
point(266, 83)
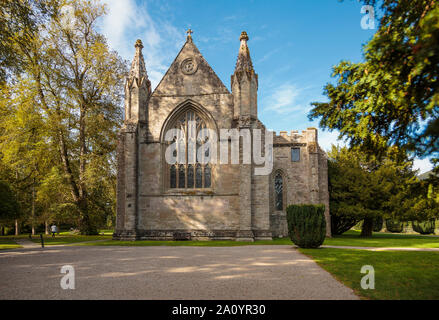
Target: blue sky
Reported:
point(293, 45)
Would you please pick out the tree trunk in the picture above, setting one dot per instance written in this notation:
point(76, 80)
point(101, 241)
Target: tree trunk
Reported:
point(78, 190)
point(2, 231)
point(85, 226)
point(33, 208)
point(46, 227)
point(366, 230)
point(17, 229)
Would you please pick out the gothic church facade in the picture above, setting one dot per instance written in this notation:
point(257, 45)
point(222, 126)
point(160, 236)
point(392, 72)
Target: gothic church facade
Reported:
point(161, 201)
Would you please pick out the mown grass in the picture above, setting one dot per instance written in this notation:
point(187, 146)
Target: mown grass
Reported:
point(398, 275)
point(8, 244)
point(61, 238)
point(67, 239)
point(213, 243)
point(379, 239)
point(350, 238)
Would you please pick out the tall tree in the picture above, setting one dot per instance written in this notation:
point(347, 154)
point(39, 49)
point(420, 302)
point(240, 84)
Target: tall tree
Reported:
point(390, 99)
point(363, 188)
point(76, 84)
point(22, 147)
point(8, 205)
point(19, 21)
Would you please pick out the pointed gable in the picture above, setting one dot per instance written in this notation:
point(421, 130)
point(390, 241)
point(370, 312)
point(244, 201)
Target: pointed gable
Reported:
point(190, 75)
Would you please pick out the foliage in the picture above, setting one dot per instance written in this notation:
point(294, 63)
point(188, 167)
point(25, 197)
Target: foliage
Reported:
point(390, 99)
point(378, 224)
point(394, 226)
point(59, 117)
point(362, 187)
point(8, 203)
point(424, 227)
point(341, 223)
point(306, 225)
point(19, 21)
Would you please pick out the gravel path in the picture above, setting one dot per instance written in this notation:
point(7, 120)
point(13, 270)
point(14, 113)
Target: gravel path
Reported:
point(27, 244)
point(229, 273)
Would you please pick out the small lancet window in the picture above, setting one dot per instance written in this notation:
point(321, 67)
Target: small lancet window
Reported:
point(295, 154)
point(279, 190)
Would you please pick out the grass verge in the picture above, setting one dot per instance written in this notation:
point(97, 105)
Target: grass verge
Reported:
point(8, 244)
point(398, 275)
point(352, 238)
point(67, 239)
point(213, 243)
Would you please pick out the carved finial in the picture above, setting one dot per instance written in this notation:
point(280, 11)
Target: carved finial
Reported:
point(243, 36)
point(138, 44)
point(138, 69)
point(189, 34)
point(244, 62)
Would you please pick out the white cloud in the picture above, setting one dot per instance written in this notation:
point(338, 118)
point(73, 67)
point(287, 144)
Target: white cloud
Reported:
point(119, 16)
point(423, 165)
point(126, 21)
point(326, 139)
point(267, 55)
point(284, 99)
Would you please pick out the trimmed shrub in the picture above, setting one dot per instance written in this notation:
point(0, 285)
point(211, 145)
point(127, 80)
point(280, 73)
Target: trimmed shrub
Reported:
point(306, 225)
point(424, 227)
point(394, 226)
point(378, 224)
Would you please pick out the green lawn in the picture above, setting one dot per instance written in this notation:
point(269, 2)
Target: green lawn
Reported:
point(214, 243)
point(351, 238)
point(67, 239)
point(61, 238)
point(398, 275)
point(8, 244)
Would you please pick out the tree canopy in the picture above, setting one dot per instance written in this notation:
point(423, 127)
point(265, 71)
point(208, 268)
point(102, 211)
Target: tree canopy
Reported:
point(391, 98)
point(8, 203)
point(61, 110)
point(364, 188)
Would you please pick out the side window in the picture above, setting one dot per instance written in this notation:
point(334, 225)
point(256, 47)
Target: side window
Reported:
point(279, 191)
point(295, 154)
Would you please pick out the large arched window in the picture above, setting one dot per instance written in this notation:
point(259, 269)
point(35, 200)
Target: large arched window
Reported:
point(279, 191)
point(190, 171)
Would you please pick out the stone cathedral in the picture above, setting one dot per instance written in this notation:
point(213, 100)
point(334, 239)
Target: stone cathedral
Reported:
point(157, 200)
